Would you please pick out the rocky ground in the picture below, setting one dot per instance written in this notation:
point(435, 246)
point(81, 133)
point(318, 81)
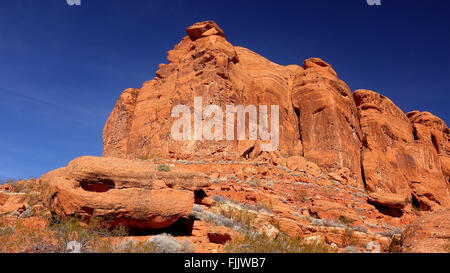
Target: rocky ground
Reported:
point(231, 206)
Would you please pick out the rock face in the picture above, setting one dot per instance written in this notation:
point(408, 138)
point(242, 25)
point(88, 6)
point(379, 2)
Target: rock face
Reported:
point(393, 161)
point(432, 130)
point(428, 234)
point(361, 139)
point(330, 130)
point(317, 113)
point(202, 65)
point(120, 191)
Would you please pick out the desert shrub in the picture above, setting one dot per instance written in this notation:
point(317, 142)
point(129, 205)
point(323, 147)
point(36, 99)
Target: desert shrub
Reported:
point(360, 229)
point(216, 219)
point(219, 199)
point(90, 233)
point(392, 231)
point(351, 249)
point(243, 217)
point(345, 220)
point(165, 243)
point(301, 195)
point(349, 239)
point(326, 223)
point(264, 206)
point(252, 242)
point(197, 208)
point(26, 237)
point(163, 168)
point(127, 245)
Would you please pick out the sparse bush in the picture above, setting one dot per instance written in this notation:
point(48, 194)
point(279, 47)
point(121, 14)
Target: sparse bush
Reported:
point(90, 235)
point(351, 249)
point(163, 168)
point(301, 195)
point(128, 245)
point(197, 208)
point(219, 199)
point(74, 247)
point(326, 223)
point(25, 238)
point(216, 219)
point(165, 243)
point(349, 238)
point(345, 220)
point(238, 215)
point(360, 229)
point(260, 243)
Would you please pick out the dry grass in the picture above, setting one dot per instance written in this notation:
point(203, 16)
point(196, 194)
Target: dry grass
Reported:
point(259, 243)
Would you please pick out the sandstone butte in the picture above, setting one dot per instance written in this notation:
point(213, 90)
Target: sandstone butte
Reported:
point(345, 158)
point(400, 158)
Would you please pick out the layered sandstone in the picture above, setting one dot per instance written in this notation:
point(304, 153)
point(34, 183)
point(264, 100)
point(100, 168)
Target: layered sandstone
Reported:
point(393, 161)
point(361, 139)
point(202, 65)
point(330, 130)
point(119, 191)
point(432, 130)
point(428, 234)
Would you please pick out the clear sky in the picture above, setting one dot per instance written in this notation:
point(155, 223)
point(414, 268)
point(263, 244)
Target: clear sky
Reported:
point(63, 67)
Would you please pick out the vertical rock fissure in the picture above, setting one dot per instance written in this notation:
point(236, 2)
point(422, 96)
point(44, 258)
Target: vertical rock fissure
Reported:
point(297, 113)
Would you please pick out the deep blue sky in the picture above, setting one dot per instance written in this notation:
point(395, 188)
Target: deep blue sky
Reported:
point(62, 68)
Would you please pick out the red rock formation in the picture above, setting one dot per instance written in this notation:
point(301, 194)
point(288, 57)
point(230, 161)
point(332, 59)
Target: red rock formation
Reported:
point(330, 130)
point(432, 130)
point(428, 234)
point(321, 121)
point(393, 162)
point(203, 65)
point(133, 193)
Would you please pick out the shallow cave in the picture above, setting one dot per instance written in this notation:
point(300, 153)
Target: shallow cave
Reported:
point(102, 185)
point(390, 211)
point(182, 227)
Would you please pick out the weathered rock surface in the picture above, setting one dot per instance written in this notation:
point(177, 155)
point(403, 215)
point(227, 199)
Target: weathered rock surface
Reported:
point(11, 202)
point(361, 139)
point(432, 130)
point(122, 191)
point(428, 234)
point(393, 161)
point(202, 65)
point(330, 130)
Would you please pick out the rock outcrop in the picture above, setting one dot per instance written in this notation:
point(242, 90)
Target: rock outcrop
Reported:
point(361, 139)
point(428, 234)
point(119, 191)
point(432, 130)
point(330, 130)
point(202, 65)
point(329, 139)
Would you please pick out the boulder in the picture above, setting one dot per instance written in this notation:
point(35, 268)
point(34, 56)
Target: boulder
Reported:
point(12, 202)
point(121, 191)
point(204, 29)
point(432, 130)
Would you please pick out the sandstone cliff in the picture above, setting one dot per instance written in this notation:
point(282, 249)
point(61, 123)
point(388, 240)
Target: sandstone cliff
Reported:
point(401, 160)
